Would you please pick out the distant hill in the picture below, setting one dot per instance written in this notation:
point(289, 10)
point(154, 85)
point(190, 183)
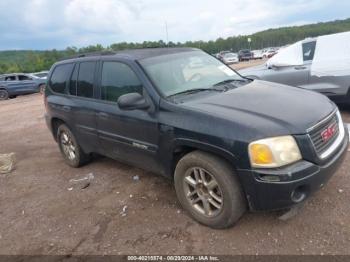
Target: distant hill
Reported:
point(32, 61)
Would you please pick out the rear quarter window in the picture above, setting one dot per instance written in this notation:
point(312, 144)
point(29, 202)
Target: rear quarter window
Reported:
point(59, 78)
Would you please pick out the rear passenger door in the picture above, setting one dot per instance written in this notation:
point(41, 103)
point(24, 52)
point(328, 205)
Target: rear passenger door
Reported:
point(83, 105)
point(128, 135)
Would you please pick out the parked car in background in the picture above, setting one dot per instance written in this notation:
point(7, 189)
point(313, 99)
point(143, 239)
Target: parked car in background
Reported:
point(244, 55)
point(42, 74)
point(268, 53)
point(12, 85)
point(230, 58)
point(257, 54)
point(295, 65)
point(229, 143)
point(221, 54)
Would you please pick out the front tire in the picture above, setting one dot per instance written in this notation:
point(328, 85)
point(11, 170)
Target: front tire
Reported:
point(208, 189)
point(4, 95)
point(42, 89)
point(69, 147)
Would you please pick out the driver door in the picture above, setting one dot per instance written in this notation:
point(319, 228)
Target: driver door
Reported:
point(27, 84)
point(127, 135)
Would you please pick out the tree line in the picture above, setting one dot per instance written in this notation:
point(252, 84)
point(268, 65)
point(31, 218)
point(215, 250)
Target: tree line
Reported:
point(34, 61)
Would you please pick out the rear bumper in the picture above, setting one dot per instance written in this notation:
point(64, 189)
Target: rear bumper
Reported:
point(231, 61)
point(297, 182)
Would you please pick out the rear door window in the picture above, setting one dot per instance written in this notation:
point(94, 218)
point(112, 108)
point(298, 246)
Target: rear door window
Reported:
point(10, 78)
point(118, 79)
point(309, 50)
point(85, 83)
point(73, 81)
point(60, 77)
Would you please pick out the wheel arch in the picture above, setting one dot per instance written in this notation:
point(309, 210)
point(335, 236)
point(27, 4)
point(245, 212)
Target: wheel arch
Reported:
point(55, 123)
point(184, 146)
point(3, 88)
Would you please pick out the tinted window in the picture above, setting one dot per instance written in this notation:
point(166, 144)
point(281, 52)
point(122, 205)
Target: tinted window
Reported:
point(309, 50)
point(24, 77)
point(73, 81)
point(10, 78)
point(118, 79)
point(59, 77)
point(85, 84)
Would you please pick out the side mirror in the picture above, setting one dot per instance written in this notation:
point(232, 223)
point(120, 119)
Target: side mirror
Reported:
point(132, 101)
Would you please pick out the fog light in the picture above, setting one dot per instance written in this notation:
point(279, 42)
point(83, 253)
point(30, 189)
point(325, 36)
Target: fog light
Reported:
point(299, 194)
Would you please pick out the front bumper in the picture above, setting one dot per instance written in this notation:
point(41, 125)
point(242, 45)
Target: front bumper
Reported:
point(296, 182)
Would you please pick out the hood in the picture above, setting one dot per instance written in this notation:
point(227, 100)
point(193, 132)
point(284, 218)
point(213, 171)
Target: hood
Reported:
point(265, 109)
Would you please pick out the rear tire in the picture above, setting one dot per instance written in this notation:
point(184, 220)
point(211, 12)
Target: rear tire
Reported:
point(42, 89)
point(4, 95)
point(69, 147)
point(208, 189)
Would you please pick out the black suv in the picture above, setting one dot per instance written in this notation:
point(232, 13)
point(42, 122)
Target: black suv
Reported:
point(244, 55)
point(229, 143)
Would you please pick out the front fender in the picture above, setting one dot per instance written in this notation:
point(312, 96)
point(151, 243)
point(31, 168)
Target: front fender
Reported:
point(204, 146)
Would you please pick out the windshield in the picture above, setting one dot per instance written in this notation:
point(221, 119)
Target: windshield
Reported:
point(34, 76)
point(177, 73)
point(230, 55)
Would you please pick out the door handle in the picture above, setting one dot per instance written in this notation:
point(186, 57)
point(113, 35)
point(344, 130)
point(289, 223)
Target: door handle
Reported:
point(102, 115)
point(300, 67)
point(66, 108)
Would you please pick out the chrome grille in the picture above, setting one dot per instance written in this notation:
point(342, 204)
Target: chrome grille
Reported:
point(315, 133)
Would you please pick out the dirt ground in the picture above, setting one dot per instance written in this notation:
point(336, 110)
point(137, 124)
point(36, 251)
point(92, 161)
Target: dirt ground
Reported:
point(249, 63)
point(42, 213)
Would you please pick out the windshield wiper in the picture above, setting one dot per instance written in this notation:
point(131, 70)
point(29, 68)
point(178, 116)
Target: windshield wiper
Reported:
point(195, 90)
point(227, 81)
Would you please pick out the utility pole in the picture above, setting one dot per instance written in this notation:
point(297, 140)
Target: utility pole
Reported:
point(166, 32)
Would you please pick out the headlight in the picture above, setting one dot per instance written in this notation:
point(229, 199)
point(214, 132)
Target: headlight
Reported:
point(274, 152)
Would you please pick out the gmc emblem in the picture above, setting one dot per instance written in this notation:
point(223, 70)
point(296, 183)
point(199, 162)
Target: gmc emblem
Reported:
point(329, 132)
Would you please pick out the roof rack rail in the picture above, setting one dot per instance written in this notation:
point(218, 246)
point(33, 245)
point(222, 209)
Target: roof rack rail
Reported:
point(102, 53)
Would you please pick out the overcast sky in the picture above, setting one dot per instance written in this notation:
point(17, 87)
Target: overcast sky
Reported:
point(48, 24)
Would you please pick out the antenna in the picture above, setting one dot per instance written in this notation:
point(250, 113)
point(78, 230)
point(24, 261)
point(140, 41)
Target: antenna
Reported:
point(166, 31)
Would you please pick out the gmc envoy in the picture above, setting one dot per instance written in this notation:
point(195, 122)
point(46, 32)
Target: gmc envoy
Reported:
point(230, 143)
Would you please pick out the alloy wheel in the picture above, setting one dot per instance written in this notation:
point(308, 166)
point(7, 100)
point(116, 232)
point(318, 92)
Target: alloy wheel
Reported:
point(3, 95)
point(68, 146)
point(203, 192)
